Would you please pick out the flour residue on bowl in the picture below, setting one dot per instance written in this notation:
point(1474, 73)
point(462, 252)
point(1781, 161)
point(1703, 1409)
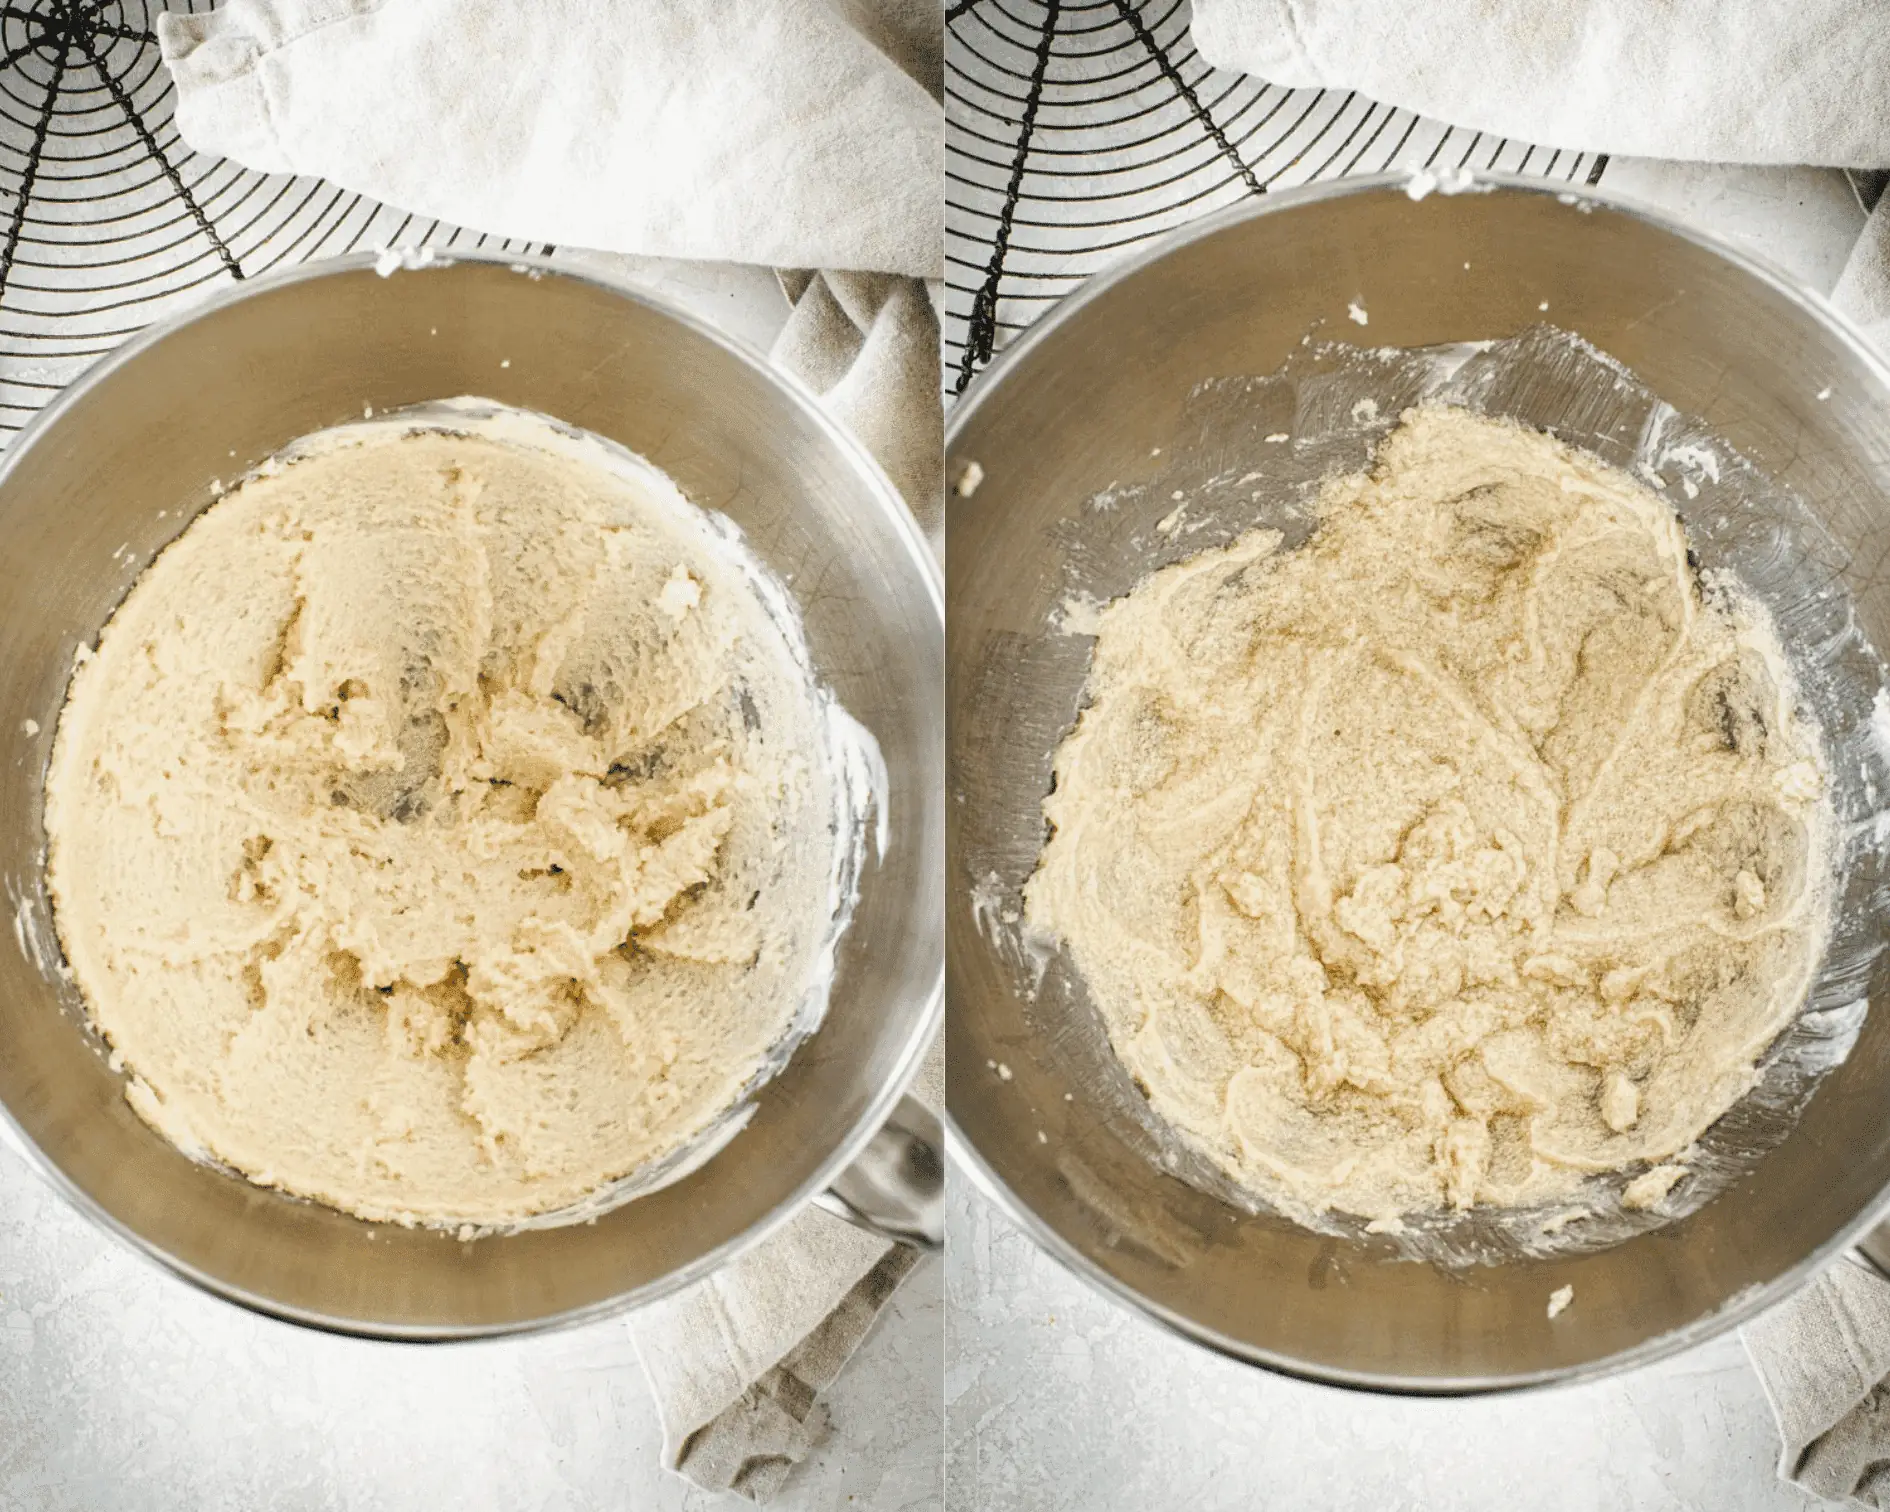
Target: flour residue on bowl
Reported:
point(450, 827)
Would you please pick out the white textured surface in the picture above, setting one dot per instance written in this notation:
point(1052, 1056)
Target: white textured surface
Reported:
point(1060, 1400)
point(121, 1387)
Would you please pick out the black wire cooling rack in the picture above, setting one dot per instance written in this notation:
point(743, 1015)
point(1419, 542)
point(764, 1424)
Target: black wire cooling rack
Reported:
point(1076, 130)
point(108, 220)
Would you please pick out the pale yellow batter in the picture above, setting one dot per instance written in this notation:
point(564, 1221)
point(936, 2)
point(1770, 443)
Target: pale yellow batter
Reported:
point(443, 827)
point(1463, 853)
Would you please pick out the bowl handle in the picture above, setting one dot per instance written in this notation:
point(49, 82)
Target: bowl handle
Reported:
point(896, 1188)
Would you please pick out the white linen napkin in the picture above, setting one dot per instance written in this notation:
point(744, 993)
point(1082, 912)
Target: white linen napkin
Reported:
point(1697, 80)
point(802, 134)
point(779, 132)
point(1801, 82)
point(868, 345)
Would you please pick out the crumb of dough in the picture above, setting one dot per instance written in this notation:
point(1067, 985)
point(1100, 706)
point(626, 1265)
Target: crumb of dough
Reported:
point(1559, 1300)
point(441, 829)
point(1651, 1187)
point(1079, 614)
point(1467, 852)
point(968, 480)
point(1620, 1100)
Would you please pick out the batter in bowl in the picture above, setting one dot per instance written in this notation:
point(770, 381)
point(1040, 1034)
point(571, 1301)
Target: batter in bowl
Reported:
point(447, 824)
point(1472, 849)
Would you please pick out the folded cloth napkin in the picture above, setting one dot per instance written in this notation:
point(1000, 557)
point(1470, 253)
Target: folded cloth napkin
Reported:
point(1863, 292)
point(1800, 82)
point(1824, 1359)
point(868, 345)
point(796, 133)
point(738, 1362)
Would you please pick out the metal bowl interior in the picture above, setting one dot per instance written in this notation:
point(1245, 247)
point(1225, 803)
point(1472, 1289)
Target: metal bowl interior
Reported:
point(1098, 400)
point(125, 458)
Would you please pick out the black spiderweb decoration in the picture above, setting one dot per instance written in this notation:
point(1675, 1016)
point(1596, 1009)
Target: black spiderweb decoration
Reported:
point(1078, 129)
point(108, 219)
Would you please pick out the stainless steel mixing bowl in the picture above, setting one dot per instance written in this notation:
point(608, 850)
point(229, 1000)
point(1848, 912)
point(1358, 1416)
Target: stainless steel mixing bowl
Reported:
point(1076, 428)
point(122, 460)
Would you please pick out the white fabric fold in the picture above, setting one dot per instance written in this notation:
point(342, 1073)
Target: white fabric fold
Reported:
point(776, 132)
point(1785, 81)
point(738, 1362)
point(1823, 1357)
point(869, 346)
point(1863, 292)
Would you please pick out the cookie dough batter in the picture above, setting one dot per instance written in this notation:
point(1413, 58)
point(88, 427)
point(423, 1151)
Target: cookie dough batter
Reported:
point(443, 827)
point(1466, 852)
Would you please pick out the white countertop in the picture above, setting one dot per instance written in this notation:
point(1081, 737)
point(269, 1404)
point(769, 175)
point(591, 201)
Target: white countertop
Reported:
point(1059, 1399)
point(123, 1387)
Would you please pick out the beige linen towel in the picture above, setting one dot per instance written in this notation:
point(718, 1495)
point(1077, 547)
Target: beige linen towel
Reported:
point(1863, 292)
point(868, 345)
point(738, 1362)
point(1824, 1359)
